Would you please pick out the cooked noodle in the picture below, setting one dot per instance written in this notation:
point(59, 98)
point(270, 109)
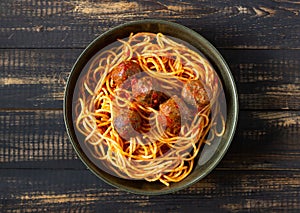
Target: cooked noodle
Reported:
point(155, 155)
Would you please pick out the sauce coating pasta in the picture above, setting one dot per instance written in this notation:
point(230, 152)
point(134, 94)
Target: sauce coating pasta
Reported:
point(146, 106)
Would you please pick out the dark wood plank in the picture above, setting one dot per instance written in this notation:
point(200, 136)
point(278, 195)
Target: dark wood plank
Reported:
point(37, 139)
point(34, 136)
point(266, 79)
point(265, 140)
point(36, 78)
point(269, 24)
point(81, 191)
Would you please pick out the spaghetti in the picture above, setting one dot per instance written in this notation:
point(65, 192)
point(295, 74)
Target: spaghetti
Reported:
point(156, 149)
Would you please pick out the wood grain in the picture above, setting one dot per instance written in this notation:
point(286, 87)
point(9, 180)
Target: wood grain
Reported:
point(266, 79)
point(39, 43)
point(35, 78)
point(37, 139)
point(269, 24)
point(81, 191)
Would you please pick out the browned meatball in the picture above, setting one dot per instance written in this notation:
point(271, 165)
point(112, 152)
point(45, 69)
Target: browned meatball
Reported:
point(127, 123)
point(172, 113)
point(124, 70)
point(194, 93)
point(144, 91)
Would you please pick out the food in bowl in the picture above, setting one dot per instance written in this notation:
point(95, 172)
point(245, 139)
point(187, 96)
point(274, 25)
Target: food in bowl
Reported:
point(144, 106)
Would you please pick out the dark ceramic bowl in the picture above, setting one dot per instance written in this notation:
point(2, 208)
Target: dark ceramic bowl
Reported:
point(217, 61)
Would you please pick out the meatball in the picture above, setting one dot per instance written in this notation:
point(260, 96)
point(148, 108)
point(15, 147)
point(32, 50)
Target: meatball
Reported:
point(172, 114)
point(124, 70)
point(127, 123)
point(144, 91)
point(194, 93)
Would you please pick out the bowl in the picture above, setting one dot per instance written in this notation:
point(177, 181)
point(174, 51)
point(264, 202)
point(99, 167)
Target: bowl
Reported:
point(216, 152)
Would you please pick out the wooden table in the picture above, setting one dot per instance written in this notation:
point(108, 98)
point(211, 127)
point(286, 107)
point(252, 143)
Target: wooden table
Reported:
point(40, 41)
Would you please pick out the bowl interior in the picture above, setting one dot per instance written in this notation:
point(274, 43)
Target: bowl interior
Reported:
point(177, 31)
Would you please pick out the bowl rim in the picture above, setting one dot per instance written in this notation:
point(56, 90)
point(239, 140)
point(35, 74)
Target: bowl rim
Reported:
point(213, 52)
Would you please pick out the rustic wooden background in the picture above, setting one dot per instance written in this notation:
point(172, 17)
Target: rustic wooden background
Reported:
point(41, 39)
